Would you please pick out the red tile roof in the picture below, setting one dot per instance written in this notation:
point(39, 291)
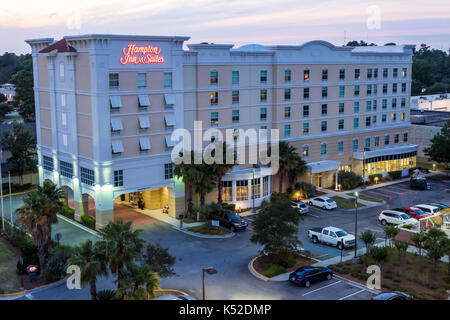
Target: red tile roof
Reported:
point(61, 45)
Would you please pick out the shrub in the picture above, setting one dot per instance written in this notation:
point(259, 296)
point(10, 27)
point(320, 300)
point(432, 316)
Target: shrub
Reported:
point(55, 267)
point(373, 176)
point(203, 212)
point(379, 254)
point(349, 180)
point(68, 212)
point(423, 278)
point(274, 270)
point(229, 206)
point(277, 196)
point(286, 260)
point(106, 295)
point(88, 221)
point(304, 189)
point(395, 174)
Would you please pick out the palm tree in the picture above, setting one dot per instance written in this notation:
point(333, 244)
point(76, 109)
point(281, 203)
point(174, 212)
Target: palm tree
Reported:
point(92, 262)
point(390, 233)
point(220, 169)
point(32, 216)
point(206, 183)
point(290, 164)
point(121, 246)
point(419, 240)
point(297, 170)
point(368, 237)
point(435, 244)
point(138, 283)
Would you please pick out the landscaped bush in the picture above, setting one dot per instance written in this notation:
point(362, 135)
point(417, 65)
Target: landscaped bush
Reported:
point(274, 270)
point(88, 222)
point(286, 260)
point(229, 206)
point(349, 180)
point(68, 212)
point(395, 174)
point(373, 176)
point(55, 267)
point(304, 189)
point(379, 254)
point(277, 196)
point(106, 295)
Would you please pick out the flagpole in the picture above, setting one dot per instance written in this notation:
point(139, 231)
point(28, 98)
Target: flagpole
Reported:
point(10, 199)
point(1, 197)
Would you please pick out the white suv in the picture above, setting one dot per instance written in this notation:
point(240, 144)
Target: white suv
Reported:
point(395, 217)
point(428, 209)
point(323, 202)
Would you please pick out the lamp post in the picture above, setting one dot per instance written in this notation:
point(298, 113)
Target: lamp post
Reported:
point(209, 270)
point(255, 166)
point(356, 223)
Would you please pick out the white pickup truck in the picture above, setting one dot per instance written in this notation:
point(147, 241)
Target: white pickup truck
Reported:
point(333, 236)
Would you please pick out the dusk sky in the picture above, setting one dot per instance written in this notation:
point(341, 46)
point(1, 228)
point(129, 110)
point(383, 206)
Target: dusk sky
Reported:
point(233, 21)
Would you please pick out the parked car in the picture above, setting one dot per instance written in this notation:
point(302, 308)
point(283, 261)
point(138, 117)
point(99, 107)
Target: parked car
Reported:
point(393, 295)
point(415, 213)
point(439, 205)
point(306, 275)
point(395, 217)
point(302, 207)
point(333, 236)
point(419, 184)
point(427, 208)
point(229, 219)
point(323, 202)
point(174, 297)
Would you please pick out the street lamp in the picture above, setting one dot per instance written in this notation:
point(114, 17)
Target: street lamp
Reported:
point(255, 166)
point(356, 223)
point(434, 166)
point(209, 270)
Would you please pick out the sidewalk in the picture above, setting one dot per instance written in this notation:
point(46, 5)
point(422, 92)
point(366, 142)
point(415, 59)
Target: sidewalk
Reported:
point(158, 215)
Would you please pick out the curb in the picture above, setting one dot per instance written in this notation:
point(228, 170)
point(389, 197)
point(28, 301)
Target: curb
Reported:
point(6, 295)
point(179, 291)
point(79, 225)
point(205, 236)
point(16, 193)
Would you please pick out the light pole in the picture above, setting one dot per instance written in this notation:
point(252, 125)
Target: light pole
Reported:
point(10, 199)
point(255, 166)
point(356, 222)
point(209, 270)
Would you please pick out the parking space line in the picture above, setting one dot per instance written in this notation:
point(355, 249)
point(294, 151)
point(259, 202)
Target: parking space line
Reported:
point(348, 296)
point(322, 288)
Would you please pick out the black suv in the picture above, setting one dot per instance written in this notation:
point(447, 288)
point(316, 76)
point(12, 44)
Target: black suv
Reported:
point(229, 219)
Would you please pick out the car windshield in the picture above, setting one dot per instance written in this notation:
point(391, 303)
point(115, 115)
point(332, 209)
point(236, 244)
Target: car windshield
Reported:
point(341, 233)
point(303, 205)
point(233, 217)
point(404, 216)
point(329, 201)
point(418, 211)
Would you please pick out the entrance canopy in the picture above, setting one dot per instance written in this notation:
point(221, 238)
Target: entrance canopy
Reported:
point(386, 151)
point(323, 166)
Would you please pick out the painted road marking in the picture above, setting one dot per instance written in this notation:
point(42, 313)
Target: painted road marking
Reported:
point(322, 288)
point(348, 296)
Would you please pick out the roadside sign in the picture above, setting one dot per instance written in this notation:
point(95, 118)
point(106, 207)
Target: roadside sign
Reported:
point(32, 268)
point(215, 223)
point(58, 236)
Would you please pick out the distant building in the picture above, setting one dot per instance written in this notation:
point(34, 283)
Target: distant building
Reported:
point(8, 90)
point(425, 124)
point(438, 102)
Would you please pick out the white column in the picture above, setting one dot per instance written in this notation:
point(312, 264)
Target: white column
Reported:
point(310, 178)
point(233, 191)
point(336, 184)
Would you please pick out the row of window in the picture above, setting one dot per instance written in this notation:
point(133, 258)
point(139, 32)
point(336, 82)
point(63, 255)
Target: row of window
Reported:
point(143, 124)
point(372, 73)
point(115, 102)
point(66, 170)
point(142, 83)
point(235, 96)
point(242, 190)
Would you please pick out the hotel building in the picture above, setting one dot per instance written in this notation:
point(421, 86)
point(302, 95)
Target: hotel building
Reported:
point(106, 106)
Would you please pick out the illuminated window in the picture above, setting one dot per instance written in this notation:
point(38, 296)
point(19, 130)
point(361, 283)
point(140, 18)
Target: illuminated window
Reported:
point(287, 76)
point(235, 116)
point(168, 171)
point(357, 74)
point(87, 176)
point(402, 116)
point(235, 77)
point(214, 119)
point(241, 190)
point(305, 151)
point(263, 95)
point(404, 72)
point(306, 128)
point(118, 178)
point(265, 186)
point(142, 81)
point(227, 190)
point(235, 97)
point(214, 78)
point(394, 117)
point(287, 113)
point(306, 75)
point(47, 163)
point(214, 98)
point(256, 188)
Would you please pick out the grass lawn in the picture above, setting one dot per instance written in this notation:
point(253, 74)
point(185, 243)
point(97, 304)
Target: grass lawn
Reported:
point(8, 279)
point(208, 229)
point(409, 273)
point(343, 203)
point(270, 265)
point(365, 197)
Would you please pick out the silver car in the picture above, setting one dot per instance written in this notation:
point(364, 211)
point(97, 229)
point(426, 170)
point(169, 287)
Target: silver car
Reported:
point(302, 207)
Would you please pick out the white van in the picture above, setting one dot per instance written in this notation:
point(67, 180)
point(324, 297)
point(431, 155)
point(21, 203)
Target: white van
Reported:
point(428, 209)
point(395, 217)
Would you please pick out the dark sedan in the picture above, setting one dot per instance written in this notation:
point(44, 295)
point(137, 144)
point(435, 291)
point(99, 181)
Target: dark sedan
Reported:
point(229, 220)
point(394, 295)
point(306, 275)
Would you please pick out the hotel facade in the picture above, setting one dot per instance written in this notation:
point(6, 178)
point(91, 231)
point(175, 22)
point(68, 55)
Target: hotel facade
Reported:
point(106, 106)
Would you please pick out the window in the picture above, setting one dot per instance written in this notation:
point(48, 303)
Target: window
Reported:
point(323, 126)
point(385, 73)
point(214, 98)
point(385, 88)
point(117, 147)
point(305, 111)
point(263, 95)
point(64, 140)
point(118, 178)
point(306, 75)
point(341, 92)
point(116, 125)
point(114, 81)
point(403, 87)
point(213, 78)
point(323, 149)
point(356, 91)
point(235, 116)
point(305, 151)
point(227, 190)
point(87, 176)
point(395, 73)
point(324, 74)
point(287, 113)
point(241, 190)
point(168, 171)
point(142, 81)
point(368, 122)
point(341, 124)
point(342, 74)
point(66, 169)
point(375, 102)
point(355, 123)
point(341, 108)
point(356, 107)
point(375, 73)
point(287, 76)
point(402, 116)
point(263, 76)
point(369, 89)
point(287, 130)
point(394, 88)
point(306, 128)
point(256, 188)
point(235, 77)
point(384, 104)
point(265, 186)
point(47, 163)
point(403, 102)
point(369, 73)
point(263, 114)
point(394, 117)
point(324, 110)
point(167, 80)
point(287, 94)
point(235, 97)
point(375, 89)
point(341, 147)
point(61, 70)
point(376, 142)
point(64, 119)
point(374, 120)
point(368, 106)
point(367, 144)
point(394, 103)
point(383, 118)
point(214, 119)
point(355, 145)
point(386, 140)
point(404, 72)
point(405, 137)
point(324, 92)
point(357, 74)
point(305, 93)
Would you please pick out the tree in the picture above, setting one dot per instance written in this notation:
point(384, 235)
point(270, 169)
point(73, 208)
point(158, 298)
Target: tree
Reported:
point(21, 144)
point(159, 260)
point(439, 150)
point(349, 180)
point(220, 169)
point(419, 240)
point(435, 244)
point(24, 94)
point(368, 237)
point(206, 183)
point(361, 43)
point(2, 98)
point(291, 165)
point(390, 233)
point(138, 283)
point(92, 262)
point(121, 245)
point(402, 247)
point(5, 108)
point(276, 227)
